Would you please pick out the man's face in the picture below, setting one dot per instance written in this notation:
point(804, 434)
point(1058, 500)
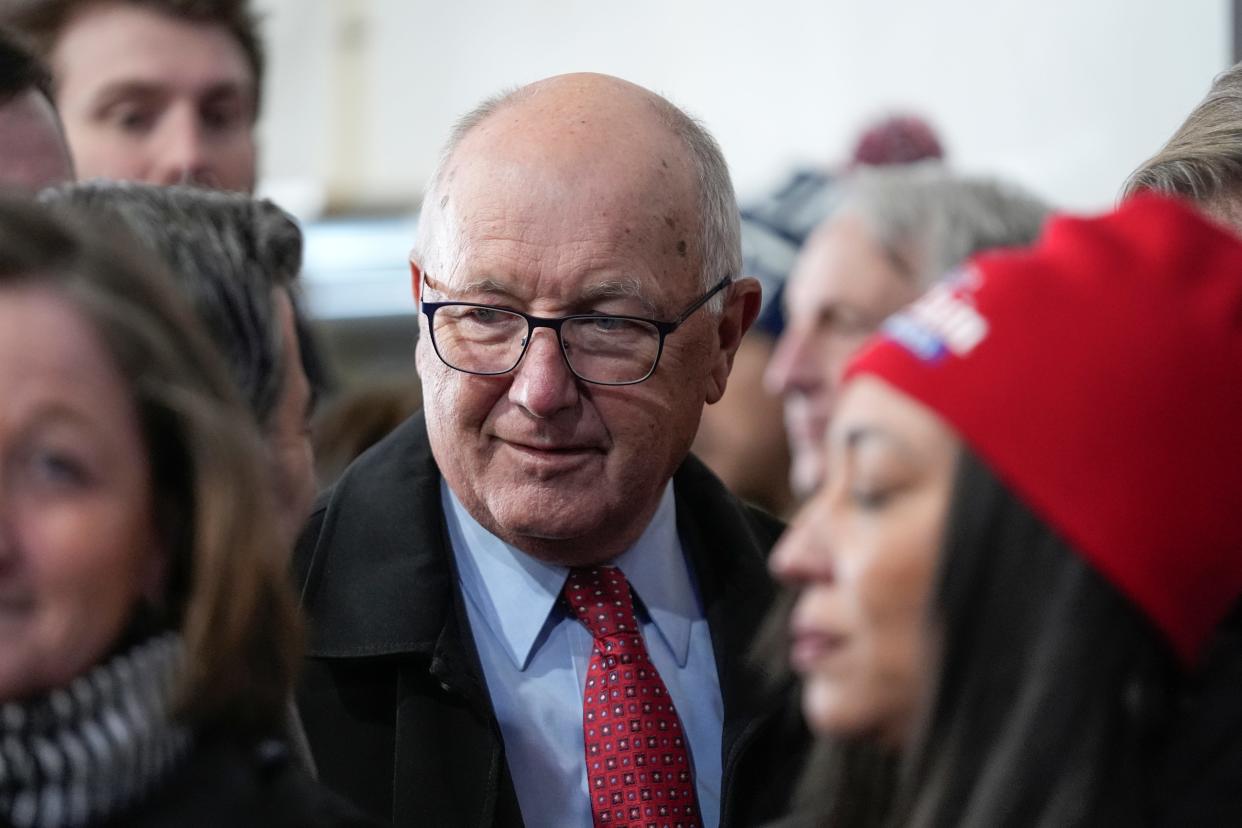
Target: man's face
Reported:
point(841, 289)
point(568, 471)
point(147, 97)
point(32, 150)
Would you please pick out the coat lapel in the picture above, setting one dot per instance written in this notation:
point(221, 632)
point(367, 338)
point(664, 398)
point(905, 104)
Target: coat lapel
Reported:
point(728, 553)
point(380, 586)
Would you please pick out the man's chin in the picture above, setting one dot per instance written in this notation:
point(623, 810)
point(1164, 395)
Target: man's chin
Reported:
point(567, 525)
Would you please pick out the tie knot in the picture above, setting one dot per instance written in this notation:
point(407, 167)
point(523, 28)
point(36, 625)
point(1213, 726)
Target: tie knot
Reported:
point(600, 598)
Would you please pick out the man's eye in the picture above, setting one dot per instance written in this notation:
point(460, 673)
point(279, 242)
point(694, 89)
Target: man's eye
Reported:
point(484, 316)
point(135, 120)
point(222, 117)
point(607, 324)
point(870, 498)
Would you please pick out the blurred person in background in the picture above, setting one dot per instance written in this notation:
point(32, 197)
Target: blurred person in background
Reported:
point(1021, 577)
point(161, 91)
point(895, 231)
point(148, 636)
point(33, 154)
point(357, 419)
point(1203, 159)
point(237, 260)
point(777, 226)
point(742, 437)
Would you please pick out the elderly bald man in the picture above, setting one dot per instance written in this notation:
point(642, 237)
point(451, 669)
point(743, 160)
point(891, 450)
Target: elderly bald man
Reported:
point(530, 605)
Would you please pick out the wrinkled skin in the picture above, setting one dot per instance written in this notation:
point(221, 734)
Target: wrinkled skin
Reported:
point(570, 200)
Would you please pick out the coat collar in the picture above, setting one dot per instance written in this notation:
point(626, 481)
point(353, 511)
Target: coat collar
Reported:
point(379, 578)
point(379, 574)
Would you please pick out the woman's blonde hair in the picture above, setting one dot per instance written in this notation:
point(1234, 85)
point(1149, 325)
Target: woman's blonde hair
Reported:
point(227, 591)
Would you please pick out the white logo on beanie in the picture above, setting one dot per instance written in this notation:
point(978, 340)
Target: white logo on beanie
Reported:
point(941, 321)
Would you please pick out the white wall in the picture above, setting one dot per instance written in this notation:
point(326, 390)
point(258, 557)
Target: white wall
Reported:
point(1066, 96)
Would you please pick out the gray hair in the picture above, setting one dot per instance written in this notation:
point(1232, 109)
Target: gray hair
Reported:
point(226, 253)
point(720, 226)
point(1203, 159)
point(929, 220)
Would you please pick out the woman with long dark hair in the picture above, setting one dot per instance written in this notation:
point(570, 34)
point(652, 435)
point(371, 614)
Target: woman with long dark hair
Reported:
point(1021, 581)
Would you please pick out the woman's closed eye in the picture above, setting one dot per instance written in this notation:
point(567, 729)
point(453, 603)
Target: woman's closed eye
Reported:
point(57, 468)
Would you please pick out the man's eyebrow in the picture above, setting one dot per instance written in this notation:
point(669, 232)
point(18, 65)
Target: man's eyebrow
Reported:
point(121, 90)
point(126, 89)
point(618, 289)
point(595, 292)
point(484, 285)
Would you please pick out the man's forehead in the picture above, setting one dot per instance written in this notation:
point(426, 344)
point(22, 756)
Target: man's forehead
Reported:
point(839, 262)
point(115, 43)
point(812, 284)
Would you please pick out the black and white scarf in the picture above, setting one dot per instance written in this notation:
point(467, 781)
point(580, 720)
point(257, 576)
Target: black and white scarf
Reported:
point(85, 752)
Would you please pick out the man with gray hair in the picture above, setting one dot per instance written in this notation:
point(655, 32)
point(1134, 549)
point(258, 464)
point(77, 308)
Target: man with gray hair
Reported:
point(895, 232)
point(1203, 160)
point(529, 605)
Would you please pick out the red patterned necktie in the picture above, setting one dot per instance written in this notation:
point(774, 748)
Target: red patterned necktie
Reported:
point(638, 766)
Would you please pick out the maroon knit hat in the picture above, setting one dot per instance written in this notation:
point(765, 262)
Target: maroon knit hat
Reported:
point(1099, 375)
point(897, 139)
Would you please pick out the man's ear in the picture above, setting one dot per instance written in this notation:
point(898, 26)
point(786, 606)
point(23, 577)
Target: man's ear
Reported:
point(416, 280)
point(742, 300)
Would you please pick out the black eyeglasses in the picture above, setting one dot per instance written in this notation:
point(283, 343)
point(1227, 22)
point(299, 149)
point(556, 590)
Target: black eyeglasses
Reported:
point(600, 348)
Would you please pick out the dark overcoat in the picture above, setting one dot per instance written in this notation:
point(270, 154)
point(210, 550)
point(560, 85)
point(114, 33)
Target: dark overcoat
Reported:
point(225, 784)
point(393, 696)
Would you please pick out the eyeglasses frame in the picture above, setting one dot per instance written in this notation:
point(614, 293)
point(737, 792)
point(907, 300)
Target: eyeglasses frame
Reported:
point(556, 322)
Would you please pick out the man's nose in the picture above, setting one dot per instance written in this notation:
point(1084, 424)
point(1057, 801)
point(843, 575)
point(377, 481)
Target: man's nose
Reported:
point(794, 365)
point(181, 151)
point(542, 382)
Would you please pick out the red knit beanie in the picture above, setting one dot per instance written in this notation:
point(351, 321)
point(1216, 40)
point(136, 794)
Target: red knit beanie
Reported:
point(1099, 375)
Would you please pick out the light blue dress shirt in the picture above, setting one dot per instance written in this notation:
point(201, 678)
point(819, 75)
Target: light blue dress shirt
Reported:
point(535, 658)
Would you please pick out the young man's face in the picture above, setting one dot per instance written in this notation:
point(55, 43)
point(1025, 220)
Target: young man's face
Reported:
point(149, 97)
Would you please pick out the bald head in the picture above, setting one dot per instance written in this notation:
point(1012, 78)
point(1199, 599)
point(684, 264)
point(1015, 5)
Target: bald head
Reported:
point(603, 140)
point(586, 115)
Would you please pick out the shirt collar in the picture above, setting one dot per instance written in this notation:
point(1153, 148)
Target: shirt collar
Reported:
point(657, 572)
point(516, 593)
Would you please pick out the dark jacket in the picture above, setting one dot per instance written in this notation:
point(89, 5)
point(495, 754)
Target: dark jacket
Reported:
point(224, 784)
point(393, 697)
